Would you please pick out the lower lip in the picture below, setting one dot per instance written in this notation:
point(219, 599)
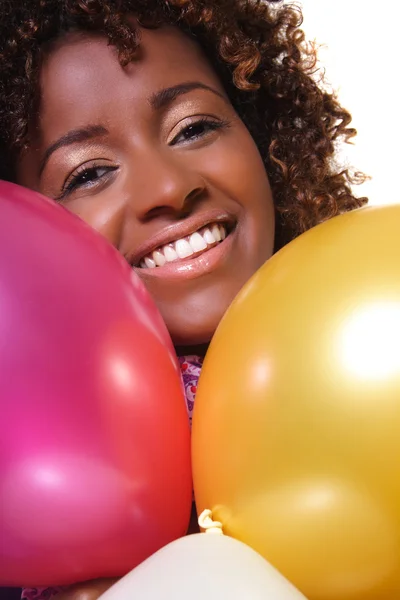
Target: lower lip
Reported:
point(191, 268)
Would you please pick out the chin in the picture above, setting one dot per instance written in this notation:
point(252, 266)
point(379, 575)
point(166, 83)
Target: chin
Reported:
point(192, 337)
point(193, 321)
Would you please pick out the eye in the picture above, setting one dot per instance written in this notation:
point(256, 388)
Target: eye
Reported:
point(198, 129)
point(86, 176)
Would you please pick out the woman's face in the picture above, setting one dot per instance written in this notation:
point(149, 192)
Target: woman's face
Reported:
point(155, 158)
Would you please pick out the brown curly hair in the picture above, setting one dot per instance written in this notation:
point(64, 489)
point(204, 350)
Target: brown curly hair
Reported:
point(260, 54)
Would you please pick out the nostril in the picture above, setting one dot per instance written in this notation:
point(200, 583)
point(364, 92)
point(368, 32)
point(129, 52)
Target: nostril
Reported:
point(159, 211)
point(195, 194)
point(182, 212)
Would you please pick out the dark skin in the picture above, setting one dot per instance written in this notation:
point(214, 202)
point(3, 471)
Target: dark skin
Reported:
point(150, 167)
point(149, 171)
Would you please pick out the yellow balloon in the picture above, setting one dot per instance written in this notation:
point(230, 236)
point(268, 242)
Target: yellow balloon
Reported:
point(296, 430)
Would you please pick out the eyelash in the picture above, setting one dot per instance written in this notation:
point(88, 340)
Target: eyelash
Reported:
point(208, 123)
point(76, 180)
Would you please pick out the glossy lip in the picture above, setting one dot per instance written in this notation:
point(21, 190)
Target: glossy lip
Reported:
point(178, 231)
point(191, 268)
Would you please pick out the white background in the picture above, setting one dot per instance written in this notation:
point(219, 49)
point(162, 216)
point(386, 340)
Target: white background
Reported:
point(361, 55)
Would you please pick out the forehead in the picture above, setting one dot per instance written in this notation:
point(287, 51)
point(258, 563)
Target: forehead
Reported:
point(81, 78)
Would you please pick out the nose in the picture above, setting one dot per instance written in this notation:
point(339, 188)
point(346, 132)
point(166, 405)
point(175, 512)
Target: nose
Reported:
point(167, 185)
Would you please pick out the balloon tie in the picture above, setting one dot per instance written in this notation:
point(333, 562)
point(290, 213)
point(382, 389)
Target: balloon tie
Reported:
point(206, 522)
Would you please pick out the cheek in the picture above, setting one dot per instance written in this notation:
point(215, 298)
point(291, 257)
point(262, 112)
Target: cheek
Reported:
point(240, 171)
point(103, 212)
point(234, 165)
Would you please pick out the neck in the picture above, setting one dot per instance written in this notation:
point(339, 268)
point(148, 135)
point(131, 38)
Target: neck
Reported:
point(199, 350)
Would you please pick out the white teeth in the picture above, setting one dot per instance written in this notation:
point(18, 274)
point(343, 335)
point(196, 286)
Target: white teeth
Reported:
point(208, 236)
point(170, 253)
point(159, 258)
point(216, 233)
point(183, 248)
point(197, 242)
point(150, 264)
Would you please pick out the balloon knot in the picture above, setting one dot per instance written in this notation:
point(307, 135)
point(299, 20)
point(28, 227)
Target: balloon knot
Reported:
point(206, 522)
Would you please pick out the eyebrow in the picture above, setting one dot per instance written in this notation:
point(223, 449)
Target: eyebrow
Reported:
point(164, 97)
point(157, 101)
point(72, 137)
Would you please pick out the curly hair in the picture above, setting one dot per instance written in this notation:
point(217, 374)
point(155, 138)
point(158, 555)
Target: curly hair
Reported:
point(259, 52)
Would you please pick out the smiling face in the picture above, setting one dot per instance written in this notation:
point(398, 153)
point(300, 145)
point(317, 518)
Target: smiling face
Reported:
point(155, 158)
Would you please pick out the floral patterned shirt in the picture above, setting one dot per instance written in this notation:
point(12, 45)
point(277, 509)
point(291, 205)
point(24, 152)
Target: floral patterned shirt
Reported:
point(190, 367)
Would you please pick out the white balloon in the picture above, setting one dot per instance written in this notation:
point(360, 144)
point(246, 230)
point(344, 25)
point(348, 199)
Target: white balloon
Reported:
point(204, 567)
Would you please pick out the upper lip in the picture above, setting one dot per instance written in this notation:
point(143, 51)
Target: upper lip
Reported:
point(177, 231)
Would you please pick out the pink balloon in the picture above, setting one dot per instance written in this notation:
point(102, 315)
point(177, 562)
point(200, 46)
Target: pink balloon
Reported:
point(95, 442)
